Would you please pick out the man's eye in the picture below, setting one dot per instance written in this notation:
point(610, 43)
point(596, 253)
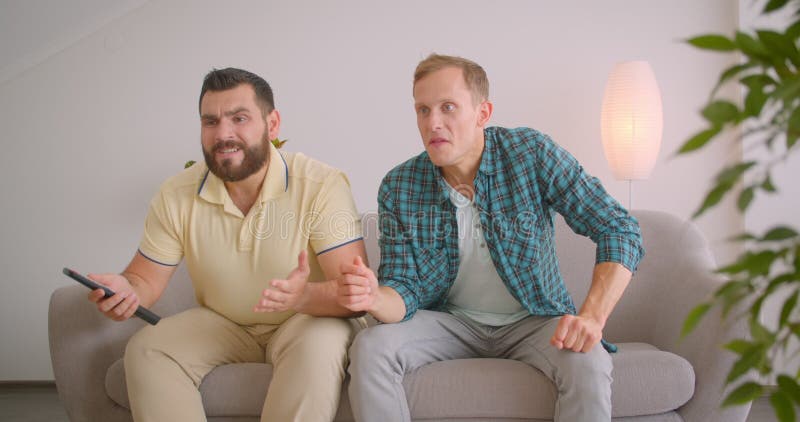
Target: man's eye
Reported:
point(423, 110)
point(209, 123)
point(448, 107)
point(239, 119)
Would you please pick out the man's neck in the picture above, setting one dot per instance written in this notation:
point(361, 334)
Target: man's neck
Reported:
point(461, 176)
point(245, 192)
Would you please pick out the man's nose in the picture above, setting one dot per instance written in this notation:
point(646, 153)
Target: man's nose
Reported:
point(224, 130)
point(434, 120)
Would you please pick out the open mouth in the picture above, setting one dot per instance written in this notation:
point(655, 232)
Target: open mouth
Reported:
point(227, 148)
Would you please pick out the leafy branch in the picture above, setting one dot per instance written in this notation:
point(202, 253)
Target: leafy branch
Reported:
point(769, 77)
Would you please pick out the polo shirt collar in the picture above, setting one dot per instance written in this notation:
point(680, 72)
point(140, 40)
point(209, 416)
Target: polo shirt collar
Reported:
point(276, 182)
point(488, 163)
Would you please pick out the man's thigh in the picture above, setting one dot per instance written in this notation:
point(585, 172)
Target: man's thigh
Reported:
point(429, 336)
point(198, 340)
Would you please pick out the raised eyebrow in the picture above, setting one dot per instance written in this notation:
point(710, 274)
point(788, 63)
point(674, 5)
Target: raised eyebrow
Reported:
point(233, 112)
point(237, 111)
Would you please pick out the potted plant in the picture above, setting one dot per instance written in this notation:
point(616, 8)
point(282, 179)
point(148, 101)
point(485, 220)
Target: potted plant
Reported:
point(769, 76)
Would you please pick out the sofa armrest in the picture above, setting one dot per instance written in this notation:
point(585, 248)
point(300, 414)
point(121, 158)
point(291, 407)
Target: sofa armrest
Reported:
point(677, 275)
point(83, 345)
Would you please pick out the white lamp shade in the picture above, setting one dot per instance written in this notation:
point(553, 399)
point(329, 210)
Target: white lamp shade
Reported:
point(631, 120)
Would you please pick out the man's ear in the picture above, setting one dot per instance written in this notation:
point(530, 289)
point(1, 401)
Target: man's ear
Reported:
point(274, 123)
point(485, 113)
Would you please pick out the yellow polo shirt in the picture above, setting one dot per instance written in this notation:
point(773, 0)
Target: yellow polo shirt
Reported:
point(231, 257)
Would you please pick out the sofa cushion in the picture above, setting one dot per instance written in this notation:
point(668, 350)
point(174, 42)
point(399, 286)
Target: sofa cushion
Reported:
point(646, 381)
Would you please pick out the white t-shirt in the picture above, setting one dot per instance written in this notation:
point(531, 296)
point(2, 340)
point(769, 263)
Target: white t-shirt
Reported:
point(478, 292)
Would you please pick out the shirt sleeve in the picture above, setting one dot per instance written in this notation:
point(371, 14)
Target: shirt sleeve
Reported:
point(397, 269)
point(336, 221)
point(161, 241)
point(587, 208)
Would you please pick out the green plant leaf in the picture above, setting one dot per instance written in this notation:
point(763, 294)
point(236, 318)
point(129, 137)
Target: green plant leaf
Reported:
point(787, 89)
point(789, 386)
point(783, 406)
point(751, 47)
point(731, 72)
point(779, 233)
point(188, 164)
point(786, 310)
point(767, 185)
point(699, 140)
point(731, 174)
point(754, 101)
point(745, 393)
point(759, 263)
point(749, 360)
point(773, 5)
point(793, 128)
point(754, 263)
point(757, 80)
point(779, 46)
point(791, 139)
point(720, 112)
point(730, 301)
point(279, 143)
point(743, 237)
point(739, 346)
point(761, 333)
point(713, 197)
point(694, 318)
point(793, 31)
point(795, 328)
point(745, 198)
point(730, 288)
point(712, 42)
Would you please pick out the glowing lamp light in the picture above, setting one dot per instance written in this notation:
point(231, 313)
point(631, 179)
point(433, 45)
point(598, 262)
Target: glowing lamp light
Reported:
point(631, 120)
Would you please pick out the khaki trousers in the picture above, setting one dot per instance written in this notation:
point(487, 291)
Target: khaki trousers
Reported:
point(165, 364)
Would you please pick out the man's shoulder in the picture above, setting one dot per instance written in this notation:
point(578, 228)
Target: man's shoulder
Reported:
point(305, 169)
point(520, 138)
point(512, 145)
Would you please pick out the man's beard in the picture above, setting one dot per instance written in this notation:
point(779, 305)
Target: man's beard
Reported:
point(254, 159)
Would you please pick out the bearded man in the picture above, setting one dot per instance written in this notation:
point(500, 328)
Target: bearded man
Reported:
point(262, 234)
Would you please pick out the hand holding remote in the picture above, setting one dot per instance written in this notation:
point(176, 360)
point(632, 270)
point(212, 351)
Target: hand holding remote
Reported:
point(117, 301)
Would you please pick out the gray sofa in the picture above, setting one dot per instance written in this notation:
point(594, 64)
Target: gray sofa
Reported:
point(657, 377)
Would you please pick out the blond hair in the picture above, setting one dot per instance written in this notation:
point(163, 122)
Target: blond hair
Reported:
point(474, 75)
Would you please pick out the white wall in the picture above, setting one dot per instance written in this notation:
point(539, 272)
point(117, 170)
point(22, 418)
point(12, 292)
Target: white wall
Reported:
point(90, 132)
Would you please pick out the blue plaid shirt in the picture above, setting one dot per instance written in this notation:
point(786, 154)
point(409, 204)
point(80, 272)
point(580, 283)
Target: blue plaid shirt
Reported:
point(523, 179)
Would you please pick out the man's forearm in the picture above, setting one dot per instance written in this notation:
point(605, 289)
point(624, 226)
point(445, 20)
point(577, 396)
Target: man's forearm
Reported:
point(147, 294)
point(319, 299)
point(609, 280)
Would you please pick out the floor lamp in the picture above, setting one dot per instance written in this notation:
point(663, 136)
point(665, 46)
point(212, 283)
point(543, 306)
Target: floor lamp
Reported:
point(631, 122)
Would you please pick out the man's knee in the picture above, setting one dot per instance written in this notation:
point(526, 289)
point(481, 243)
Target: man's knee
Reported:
point(589, 369)
point(141, 345)
point(317, 339)
point(372, 343)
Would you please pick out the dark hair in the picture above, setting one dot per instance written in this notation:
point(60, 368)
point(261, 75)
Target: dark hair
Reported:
point(229, 78)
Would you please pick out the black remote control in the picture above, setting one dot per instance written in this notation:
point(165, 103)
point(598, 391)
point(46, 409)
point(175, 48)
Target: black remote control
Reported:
point(141, 311)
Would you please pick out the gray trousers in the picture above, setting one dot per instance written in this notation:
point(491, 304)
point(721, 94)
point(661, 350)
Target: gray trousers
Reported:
point(381, 356)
